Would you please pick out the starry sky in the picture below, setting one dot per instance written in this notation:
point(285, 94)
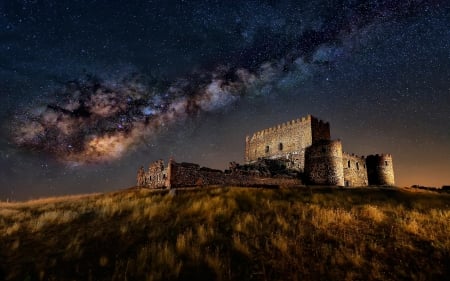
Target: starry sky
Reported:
point(92, 90)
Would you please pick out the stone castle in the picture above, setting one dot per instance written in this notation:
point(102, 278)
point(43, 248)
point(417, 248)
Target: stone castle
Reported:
point(293, 153)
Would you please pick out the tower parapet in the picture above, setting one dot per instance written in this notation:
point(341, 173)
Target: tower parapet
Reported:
point(380, 169)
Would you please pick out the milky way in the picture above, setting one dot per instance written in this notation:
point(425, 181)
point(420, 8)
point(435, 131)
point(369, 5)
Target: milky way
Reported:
point(93, 119)
point(91, 90)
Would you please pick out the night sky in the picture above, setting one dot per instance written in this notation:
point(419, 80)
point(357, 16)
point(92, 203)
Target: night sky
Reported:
point(92, 90)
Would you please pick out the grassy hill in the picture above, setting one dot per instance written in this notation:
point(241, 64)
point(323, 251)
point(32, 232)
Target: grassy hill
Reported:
point(229, 234)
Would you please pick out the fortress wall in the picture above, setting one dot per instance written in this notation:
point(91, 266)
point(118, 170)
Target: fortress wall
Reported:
point(155, 177)
point(320, 130)
point(355, 171)
point(285, 140)
point(380, 169)
point(244, 180)
point(300, 147)
point(191, 175)
point(187, 174)
point(323, 163)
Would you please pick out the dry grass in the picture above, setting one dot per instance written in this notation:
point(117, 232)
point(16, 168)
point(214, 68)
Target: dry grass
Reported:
point(229, 234)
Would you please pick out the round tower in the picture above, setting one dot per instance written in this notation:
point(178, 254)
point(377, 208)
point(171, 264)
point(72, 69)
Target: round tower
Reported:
point(380, 169)
point(323, 163)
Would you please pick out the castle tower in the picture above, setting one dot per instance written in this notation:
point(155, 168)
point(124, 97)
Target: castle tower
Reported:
point(323, 163)
point(288, 140)
point(380, 170)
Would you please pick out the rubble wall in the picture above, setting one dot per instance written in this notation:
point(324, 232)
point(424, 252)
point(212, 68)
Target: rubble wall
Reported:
point(192, 175)
point(355, 171)
point(188, 174)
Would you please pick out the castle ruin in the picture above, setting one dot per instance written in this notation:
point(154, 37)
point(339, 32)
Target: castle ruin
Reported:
point(297, 152)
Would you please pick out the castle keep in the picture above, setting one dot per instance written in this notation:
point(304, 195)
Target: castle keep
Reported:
point(288, 140)
point(293, 153)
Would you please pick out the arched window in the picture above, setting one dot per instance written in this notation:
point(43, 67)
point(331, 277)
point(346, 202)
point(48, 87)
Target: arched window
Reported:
point(280, 146)
point(357, 166)
point(267, 149)
point(385, 163)
point(348, 163)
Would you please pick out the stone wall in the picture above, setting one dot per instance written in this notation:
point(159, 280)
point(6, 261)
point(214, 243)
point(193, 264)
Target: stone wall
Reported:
point(155, 177)
point(380, 169)
point(320, 130)
point(323, 163)
point(355, 171)
point(178, 175)
point(288, 140)
point(188, 174)
point(280, 155)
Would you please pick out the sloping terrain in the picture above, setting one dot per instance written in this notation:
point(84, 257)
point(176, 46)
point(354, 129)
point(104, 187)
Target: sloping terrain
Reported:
point(229, 234)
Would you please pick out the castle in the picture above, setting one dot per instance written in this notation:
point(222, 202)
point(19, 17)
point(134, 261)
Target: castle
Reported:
point(293, 153)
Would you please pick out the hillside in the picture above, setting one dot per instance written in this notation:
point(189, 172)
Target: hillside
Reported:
point(229, 234)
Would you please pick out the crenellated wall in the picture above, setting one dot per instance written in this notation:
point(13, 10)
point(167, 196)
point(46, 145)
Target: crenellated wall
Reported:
point(288, 140)
point(281, 155)
point(323, 163)
point(355, 171)
point(380, 169)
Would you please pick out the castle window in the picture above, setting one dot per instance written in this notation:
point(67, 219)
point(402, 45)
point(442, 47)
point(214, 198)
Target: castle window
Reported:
point(348, 163)
point(280, 146)
point(357, 166)
point(267, 149)
point(385, 163)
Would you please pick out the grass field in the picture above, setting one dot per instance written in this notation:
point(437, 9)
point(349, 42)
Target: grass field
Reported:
point(229, 234)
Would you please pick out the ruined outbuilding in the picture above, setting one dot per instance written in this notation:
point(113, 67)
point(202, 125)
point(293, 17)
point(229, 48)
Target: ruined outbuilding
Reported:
point(293, 153)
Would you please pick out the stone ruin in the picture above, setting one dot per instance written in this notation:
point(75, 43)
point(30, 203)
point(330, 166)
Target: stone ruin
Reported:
point(293, 153)
point(264, 173)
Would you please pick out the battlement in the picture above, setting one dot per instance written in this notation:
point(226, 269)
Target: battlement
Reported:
point(380, 169)
point(353, 155)
point(286, 125)
point(382, 155)
point(300, 149)
point(287, 139)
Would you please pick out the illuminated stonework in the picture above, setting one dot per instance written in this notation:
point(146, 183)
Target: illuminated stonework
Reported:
point(292, 153)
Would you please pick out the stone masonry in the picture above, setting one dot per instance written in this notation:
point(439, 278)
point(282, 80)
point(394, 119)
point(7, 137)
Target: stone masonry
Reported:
point(292, 153)
point(288, 140)
point(355, 170)
point(192, 175)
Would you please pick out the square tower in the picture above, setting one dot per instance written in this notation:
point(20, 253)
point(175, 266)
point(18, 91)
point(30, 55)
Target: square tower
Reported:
point(288, 140)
